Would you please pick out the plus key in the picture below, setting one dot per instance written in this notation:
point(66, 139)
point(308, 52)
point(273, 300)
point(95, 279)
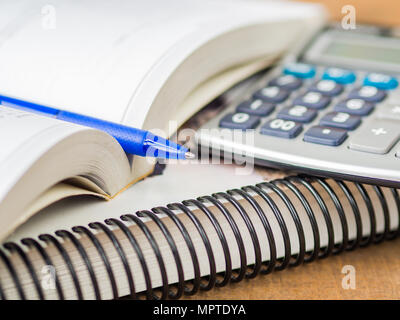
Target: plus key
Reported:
point(378, 136)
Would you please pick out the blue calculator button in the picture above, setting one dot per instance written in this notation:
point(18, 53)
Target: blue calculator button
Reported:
point(340, 120)
point(327, 87)
point(313, 100)
point(381, 81)
point(368, 93)
point(281, 128)
point(272, 94)
point(355, 106)
point(287, 81)
point(297, 113)
point(300, 70)
point(325, 135)
point(241, 121)
point(256, 107)
point(338, 75)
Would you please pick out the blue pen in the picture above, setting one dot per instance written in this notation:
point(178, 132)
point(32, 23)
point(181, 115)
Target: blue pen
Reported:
point(133, 141)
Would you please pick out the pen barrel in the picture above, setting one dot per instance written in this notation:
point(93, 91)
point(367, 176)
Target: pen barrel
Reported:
point(132, 140)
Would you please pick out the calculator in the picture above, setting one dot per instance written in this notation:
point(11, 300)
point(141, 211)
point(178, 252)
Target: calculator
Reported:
point(332, 109)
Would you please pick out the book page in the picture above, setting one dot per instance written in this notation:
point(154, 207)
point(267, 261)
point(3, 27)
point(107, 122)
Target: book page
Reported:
point(171, 186)
point(37, 153)
point(58, 192)
point(216, 85)
point(96, 57)
point(25, 137)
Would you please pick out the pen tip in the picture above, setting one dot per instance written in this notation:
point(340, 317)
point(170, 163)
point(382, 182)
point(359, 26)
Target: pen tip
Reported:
point(189, 155)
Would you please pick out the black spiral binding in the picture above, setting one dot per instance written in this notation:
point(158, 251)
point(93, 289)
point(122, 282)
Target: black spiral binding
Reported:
point(214, 279)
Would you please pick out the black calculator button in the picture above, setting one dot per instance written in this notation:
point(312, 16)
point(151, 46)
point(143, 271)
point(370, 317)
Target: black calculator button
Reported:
point(313, 100)
point(288, 82)
point(242, 121)
point(256, 107)
point(272, 94)
point(368, 93)
point(327, 87)
point(325, 135)
point(297, 113)
point(357, 107)
point(281, 128)
point(340, 120)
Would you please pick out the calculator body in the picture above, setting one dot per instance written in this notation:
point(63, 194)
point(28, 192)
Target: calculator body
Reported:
point(331, 109)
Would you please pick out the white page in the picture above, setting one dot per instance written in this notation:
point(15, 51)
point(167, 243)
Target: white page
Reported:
point(178, 182)
point(100, 57)
point(25, 137)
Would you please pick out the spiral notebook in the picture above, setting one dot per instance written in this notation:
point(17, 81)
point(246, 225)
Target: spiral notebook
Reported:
point(204, 242)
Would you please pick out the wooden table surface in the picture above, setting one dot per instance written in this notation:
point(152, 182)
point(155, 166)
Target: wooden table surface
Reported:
point(377, 268)
point(377, 276)
point(383, 12)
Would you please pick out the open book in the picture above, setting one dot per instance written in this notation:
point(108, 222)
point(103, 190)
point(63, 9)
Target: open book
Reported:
point(140, 63)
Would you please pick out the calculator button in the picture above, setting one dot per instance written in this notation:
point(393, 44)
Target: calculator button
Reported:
point(354, 106)
point(256, 107)
point(378, 136)
point(272, 94)
point(368, 93)
point(338, 75)
point(313, 100)
point(381, 81)
point(281, 128)
point(340, 120)
point(327, 87)
point(393, 97)
point(241, 121)
point(389, 112)
point(326, 136)
point(297, 113)
point(300, 70)
point(288, 82)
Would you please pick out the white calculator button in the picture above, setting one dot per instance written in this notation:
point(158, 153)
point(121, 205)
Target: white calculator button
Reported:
point(389, 111)
point(377, 136)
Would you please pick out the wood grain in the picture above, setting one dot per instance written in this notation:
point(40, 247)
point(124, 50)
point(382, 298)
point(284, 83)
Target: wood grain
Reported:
point(382, 12)
point(377, 274)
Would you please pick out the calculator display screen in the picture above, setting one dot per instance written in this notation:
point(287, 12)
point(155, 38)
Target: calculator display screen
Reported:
point(363, 51)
